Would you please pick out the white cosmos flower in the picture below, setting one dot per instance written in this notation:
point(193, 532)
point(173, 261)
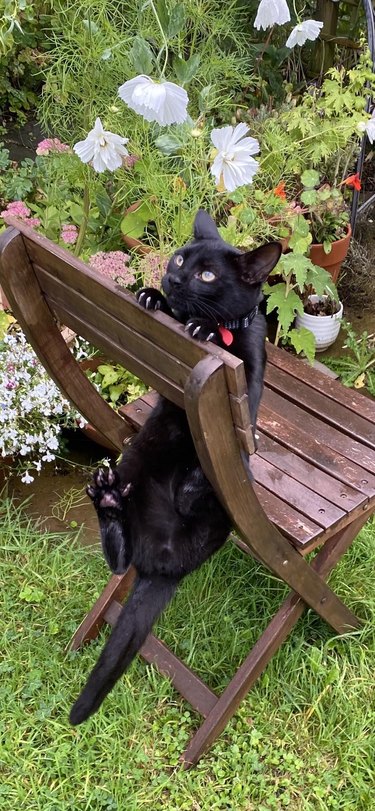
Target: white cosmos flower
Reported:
point(271, 12)
point(233, 165)
point(105, 149)
point(309, 29)
point(368, 127)
point(164, 102)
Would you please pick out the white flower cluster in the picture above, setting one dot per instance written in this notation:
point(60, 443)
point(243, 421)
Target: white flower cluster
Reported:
point(32, 409)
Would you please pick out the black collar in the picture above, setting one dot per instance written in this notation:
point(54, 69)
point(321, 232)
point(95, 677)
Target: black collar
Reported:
point(242, 323)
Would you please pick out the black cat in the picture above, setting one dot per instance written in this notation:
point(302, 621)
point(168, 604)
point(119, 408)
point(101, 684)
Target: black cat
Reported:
point(156, 509)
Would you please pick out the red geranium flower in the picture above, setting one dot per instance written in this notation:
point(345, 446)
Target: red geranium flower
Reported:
point(352, 180)
point(279, 191)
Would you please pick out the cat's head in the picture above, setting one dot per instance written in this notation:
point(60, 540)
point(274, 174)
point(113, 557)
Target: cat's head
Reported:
point(208, 278)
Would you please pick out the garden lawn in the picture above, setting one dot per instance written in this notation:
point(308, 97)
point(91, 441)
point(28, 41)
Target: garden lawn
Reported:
point(303, 738)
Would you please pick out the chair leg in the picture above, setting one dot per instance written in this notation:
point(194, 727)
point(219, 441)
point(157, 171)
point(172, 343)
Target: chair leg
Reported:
point(116, 589)
point(275, 634)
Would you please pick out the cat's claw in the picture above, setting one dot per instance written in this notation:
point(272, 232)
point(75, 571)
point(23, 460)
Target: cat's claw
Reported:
point(201, 330)
point(151, 299)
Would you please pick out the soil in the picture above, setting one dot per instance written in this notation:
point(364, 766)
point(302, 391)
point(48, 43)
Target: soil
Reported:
point(57, 497)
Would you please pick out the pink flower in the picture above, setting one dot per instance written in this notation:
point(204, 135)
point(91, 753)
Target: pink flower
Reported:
point(51, 145)
point(69, 233)
point(151, 268)
point(34, 222)
point(130, 160)
point(16, 209)
point(114, 265)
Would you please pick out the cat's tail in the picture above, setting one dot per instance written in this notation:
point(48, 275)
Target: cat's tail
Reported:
point(147, 600)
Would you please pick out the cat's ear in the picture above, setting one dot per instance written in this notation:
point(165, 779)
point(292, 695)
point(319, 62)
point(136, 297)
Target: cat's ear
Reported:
point(204, 226)
point(255, 266)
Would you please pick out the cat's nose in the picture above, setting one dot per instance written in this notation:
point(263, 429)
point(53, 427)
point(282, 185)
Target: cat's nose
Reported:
point(170, 282)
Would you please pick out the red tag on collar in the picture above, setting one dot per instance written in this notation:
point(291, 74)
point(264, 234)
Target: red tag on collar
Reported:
point(226, 336)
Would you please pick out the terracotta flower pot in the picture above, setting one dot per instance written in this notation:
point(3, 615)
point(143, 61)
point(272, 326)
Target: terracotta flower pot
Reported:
point(332, 261)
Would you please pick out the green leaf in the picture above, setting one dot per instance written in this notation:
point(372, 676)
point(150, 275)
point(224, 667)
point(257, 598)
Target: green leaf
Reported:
point(163, 15)
point(134, 223)
point(116, 391)
point(5, 320)
point(321, 281)
point(141, 56)
point(176, 21)
point(186, 70)
point(310, 178)
point(297, 264)
point(286, 306)
point(103, 202)
point(327, 246)
point(309, 197)
point(303, 341)
point(168, 144)
point(29, 594)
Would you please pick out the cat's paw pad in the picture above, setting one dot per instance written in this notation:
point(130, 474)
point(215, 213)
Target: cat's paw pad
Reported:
point(202, 329)
point(106, 490)
point(151, 299)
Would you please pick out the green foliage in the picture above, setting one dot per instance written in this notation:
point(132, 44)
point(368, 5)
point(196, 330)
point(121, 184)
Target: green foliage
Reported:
point(116, 384)
point(205, 42)
point(23, 44)
point(300, 277)
point(303, 743)
point(356, 367)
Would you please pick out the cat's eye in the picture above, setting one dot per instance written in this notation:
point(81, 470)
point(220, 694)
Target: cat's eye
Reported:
point(179, 260)
point(207, 276)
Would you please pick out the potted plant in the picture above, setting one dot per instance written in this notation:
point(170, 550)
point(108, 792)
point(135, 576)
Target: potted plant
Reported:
point(324, 207)
point(322, 316)
point(299, 280)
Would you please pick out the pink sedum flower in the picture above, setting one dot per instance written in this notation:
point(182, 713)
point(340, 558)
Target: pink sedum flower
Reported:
point(51, 145)
point(18, 209)
point(69, 234)
point(114, 265)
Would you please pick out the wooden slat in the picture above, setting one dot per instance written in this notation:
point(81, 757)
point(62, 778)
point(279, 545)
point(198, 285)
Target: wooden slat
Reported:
point(38, 324)
point(219, 455)
point(345, 497)
point(321, 431)
point(186, 682)
point(126, 337)
point(309, 447)
point(119, 354)
point(62, 265)
point(332, 412)
point(310, 504)
point(320, 382)
point(301, 531)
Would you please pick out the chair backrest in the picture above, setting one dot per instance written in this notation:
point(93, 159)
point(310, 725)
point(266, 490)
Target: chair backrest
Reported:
point(152, 346)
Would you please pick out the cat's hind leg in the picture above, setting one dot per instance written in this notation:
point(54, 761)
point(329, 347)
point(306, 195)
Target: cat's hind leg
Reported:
point(109, 497)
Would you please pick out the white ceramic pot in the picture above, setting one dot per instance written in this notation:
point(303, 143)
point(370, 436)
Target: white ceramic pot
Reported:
point(325, 327)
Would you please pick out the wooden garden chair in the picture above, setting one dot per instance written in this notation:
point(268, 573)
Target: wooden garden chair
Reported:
point(314, 470)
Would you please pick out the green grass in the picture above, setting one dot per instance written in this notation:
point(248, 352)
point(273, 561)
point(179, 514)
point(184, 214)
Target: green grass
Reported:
point(303, 738)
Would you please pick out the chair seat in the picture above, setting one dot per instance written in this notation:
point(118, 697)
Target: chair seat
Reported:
point(314, 469)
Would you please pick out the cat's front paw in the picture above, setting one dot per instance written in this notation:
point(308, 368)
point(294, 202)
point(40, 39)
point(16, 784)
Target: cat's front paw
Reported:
point(152, 299)
point(106, 490)
point(203, 329)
